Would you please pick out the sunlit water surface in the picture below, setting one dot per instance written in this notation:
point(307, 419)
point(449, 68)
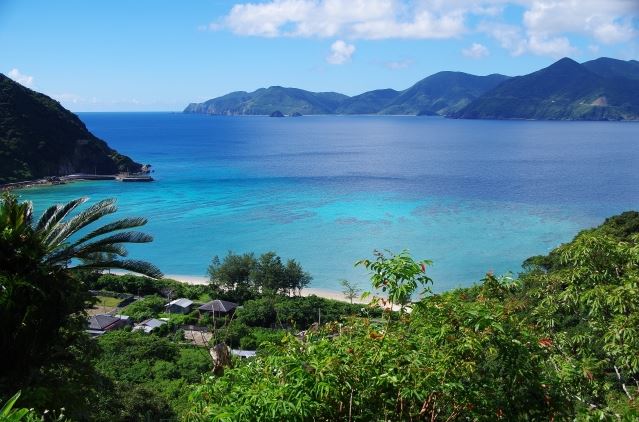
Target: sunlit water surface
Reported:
point(473, 196)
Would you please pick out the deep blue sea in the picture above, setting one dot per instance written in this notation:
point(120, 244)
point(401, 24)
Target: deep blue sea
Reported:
point(473, 196)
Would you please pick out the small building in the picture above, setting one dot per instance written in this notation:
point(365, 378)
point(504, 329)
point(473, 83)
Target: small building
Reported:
point(179, 306)
point(149, 325)
point(218, 307)
point(100, 324)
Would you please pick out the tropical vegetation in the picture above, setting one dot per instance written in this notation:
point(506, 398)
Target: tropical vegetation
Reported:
point(559, 341)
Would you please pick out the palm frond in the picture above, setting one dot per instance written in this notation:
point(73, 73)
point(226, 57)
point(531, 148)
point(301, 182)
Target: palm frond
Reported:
point(140, 267)
point(62, 257)
point(56, 213)
point(125, 223)
point(15, 214)
point(63, 231)
point(101, 245)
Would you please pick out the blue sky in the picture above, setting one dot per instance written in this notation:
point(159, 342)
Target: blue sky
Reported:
point(124, 55)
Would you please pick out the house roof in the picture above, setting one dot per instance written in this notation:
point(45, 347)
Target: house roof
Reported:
point(102, 321)
point(218, 306)
point(153, 322)
point(182, 303)
point(149, 325)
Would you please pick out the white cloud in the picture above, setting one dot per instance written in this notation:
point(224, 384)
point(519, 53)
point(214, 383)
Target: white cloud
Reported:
point(366, 19)
point(398, 64)
point(341, 52)
point(545, 28)
point(608, 21)
point(550, 46)
point(25, 80)
point(475, 51)
point(510, 37)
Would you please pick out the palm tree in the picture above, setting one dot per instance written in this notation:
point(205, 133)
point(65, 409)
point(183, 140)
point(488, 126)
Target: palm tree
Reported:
point(95, 250)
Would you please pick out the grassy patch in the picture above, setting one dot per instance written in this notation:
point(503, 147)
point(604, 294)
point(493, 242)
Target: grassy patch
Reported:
point(204, 297)
point(107, 301)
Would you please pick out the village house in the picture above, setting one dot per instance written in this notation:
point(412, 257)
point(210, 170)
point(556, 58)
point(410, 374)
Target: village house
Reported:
point(179, 306)
point(218, 307)
point(149, 325)
point(100, 324)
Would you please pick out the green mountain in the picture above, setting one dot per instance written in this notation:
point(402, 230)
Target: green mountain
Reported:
point(613, 68)
point(442, 93)
point(370, 102)
point(437, 94)
point(265, 101)
point(603, 89)
point(39, 137)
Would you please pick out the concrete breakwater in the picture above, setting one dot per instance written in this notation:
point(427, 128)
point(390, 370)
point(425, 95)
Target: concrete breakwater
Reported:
point(55, 180)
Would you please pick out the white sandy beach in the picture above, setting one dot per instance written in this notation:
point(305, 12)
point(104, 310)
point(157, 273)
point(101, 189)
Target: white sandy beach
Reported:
point(309, 291)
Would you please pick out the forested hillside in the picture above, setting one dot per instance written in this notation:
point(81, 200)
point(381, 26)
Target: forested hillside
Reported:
point(39, 137)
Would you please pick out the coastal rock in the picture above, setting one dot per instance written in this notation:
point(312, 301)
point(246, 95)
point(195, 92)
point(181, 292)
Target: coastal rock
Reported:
point(276, 113)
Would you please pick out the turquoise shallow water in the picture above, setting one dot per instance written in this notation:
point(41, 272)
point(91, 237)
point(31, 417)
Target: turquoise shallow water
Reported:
point(471, 195)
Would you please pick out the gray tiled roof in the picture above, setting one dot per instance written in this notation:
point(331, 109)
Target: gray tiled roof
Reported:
point(153, 322)
point(100, 322)
point(218, 306)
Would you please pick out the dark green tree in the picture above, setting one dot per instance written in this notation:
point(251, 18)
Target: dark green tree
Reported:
point(232, 277)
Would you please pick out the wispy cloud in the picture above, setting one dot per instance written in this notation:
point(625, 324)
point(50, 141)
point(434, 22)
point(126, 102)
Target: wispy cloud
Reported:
point(364, 19)
point(341, 52)
point(475, 51)
point(20, 78)
point(398, 64)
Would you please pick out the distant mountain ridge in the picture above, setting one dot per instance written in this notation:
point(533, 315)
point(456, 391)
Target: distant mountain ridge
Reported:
point(428, 96)
point(601, 89)
point(39, 137)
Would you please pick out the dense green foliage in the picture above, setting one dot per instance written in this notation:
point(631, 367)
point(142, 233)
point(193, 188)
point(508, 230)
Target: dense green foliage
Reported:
point(558, 343)
point(242, 277)
point(566, 90)
point(143, 286)
point(145, 308)
point(38, 137)
point(45, 352)
point(267, 318)
point(154, 369)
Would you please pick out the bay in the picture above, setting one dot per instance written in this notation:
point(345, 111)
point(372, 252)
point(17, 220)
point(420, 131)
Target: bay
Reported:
point(473, 196)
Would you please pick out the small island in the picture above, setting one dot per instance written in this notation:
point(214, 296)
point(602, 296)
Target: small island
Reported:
point(276, 113)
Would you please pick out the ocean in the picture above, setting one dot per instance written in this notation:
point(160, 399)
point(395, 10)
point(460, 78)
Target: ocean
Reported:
point(473, 196)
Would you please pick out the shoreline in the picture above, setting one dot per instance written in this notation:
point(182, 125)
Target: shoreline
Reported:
point(71, 178)
point(307, 291)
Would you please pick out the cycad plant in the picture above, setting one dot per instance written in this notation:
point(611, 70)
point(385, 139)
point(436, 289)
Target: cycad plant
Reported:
point(95, 250)
point(42, 301)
